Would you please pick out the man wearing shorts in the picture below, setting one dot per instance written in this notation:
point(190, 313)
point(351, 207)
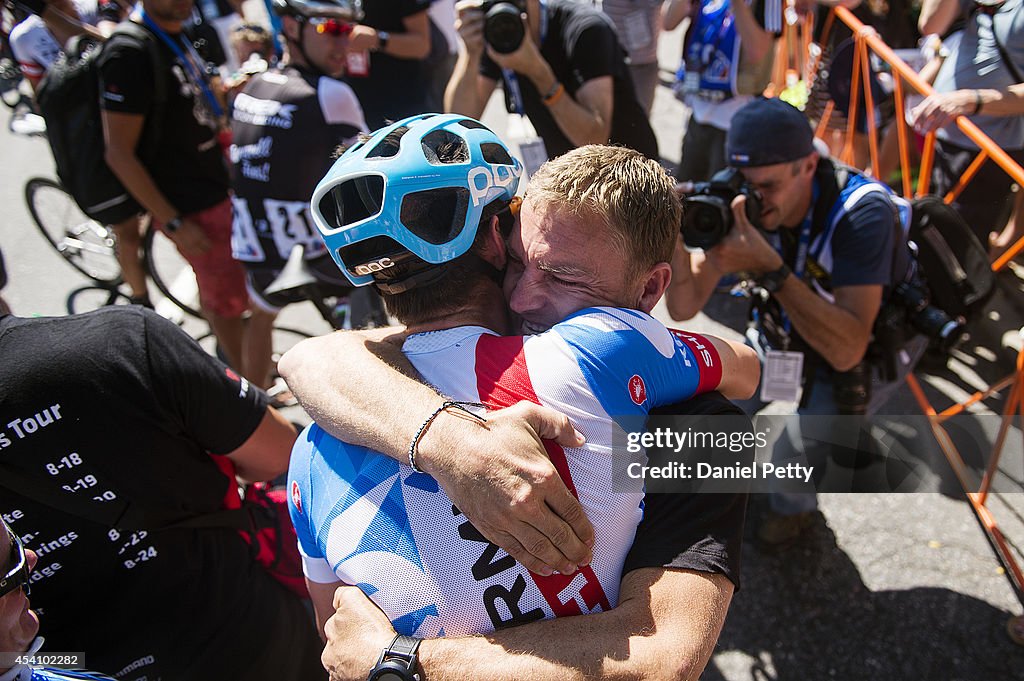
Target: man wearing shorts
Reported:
point(168, 156)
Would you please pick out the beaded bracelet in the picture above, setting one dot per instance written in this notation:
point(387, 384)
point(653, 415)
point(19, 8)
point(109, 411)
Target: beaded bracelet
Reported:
point(449, 404)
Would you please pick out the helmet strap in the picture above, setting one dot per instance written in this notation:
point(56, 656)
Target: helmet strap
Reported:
point(301, 44)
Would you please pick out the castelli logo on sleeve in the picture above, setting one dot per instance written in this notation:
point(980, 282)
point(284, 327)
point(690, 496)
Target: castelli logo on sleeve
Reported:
point(296, 497)
point(637, 390)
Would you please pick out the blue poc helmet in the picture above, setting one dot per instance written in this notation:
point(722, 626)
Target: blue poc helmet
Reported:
point(411, 197)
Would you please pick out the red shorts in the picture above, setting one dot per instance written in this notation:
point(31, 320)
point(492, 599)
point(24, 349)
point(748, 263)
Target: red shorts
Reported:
point(221, 278)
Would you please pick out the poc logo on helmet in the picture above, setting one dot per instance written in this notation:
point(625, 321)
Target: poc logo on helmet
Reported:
point(481, 180)
point(374, 266)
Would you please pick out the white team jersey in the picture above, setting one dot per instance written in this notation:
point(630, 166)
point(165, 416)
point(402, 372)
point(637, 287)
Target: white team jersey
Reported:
point(365, 519)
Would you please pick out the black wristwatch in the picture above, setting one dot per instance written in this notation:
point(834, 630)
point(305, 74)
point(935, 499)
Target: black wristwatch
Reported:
point(772, 281)
point(382, 40)
point(173, 225)
point(397, 662)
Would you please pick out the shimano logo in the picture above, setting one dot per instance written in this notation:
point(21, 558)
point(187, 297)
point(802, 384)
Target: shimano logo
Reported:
point(482, 181)
point(374, 266)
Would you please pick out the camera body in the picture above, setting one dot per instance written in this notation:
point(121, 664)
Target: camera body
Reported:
point(707, 216)
point(503, 24)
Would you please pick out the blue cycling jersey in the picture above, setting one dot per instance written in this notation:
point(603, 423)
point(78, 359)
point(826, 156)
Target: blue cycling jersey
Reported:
point(364, 519)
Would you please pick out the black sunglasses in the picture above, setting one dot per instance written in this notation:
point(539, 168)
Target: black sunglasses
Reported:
point(16, 576)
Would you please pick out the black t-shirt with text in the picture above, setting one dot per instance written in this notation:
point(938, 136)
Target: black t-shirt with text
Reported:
point(121, 408)
point(187, 164)
point(580, 45)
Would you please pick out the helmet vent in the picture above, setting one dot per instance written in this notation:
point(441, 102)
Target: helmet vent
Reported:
point(442, 147)
point(352, 201)
point(470, 124)
point(390, 145)
point(496, 154)
point(437, 215)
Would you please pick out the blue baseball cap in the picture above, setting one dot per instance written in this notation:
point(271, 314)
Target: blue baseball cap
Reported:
point(768, 131)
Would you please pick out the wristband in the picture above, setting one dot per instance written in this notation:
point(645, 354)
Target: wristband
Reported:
point(173, 225)
point(554, 94)
point(461, 406)
point(977, 103)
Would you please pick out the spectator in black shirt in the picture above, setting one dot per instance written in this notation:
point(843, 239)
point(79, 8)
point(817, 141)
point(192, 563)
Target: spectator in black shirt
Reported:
point(129, 431)
point(570, 74)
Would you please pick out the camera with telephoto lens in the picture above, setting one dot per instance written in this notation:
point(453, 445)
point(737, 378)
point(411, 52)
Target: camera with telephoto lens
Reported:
point(503, 24)
point(943, 330)
point(707, 215)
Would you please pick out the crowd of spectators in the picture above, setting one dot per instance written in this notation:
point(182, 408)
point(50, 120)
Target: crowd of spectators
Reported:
point(115, 464)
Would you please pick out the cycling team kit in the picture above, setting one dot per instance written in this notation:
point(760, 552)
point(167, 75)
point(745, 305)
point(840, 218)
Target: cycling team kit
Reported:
point(364, 519)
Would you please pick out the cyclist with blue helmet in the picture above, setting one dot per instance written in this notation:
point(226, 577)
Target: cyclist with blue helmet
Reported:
point(421, 210)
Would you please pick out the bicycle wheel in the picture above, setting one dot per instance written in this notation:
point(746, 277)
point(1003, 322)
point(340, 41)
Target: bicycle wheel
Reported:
point(84, 243)
point(89, 298)
point(171, 273)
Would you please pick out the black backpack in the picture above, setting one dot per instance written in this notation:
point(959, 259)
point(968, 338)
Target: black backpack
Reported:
point(69, 100)
point(952, 262)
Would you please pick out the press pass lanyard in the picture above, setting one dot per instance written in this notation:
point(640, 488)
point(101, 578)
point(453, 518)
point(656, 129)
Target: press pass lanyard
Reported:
point(802, 251)
point(511, 81)
point(190, 62)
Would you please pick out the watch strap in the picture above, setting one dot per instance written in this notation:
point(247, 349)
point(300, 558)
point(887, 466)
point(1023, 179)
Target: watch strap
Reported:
point(398, 660)
point(772, 281)
point(403, 646)
point(382, 40)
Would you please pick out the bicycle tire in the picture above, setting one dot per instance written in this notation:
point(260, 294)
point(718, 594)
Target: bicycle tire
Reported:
point(85, 299)
point(82, 242)
point(170, 272)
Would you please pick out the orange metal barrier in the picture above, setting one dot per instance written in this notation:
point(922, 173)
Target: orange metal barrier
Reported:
point(865, 38)
point(867, 41)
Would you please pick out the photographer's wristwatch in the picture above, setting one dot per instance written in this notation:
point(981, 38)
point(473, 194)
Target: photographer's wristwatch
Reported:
point(397, 662)
point(773, 281)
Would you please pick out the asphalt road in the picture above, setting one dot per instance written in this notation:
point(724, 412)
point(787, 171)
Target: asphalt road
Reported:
point(883, 586)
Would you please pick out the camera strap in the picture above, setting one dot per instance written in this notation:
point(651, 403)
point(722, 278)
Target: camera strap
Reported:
point(515, 94)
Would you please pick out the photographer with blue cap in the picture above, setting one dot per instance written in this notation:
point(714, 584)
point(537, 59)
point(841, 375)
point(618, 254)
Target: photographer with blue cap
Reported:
point(824, 248)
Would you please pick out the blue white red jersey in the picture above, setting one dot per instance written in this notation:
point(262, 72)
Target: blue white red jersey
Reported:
point(364, 519)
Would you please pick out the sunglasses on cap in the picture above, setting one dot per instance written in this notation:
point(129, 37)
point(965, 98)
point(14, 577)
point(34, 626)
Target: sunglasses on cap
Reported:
point(15, 575)
point(331, 26)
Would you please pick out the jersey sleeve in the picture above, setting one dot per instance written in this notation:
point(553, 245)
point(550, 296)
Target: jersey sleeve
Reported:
point(595, 51)
point(126, 78)
point(632, 362)
point(300, 507)
point(341, 109)
point(211, 404)
point(34, 47)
